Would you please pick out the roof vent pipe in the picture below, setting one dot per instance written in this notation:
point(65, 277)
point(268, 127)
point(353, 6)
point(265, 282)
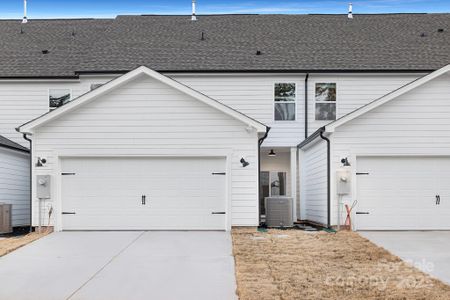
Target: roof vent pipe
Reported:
point(193, 18)
point(24, 20)
point(350, 10)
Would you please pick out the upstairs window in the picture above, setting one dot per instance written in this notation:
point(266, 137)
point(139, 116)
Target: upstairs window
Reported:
point(58, 97)
point(285, 94)
point(325, 101)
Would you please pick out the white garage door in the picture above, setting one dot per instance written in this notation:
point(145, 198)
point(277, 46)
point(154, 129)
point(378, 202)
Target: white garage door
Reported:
point(403, 193)
point(143, 193)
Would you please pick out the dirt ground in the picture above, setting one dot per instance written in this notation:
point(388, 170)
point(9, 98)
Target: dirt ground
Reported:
point(10, 244)
point(293, 264)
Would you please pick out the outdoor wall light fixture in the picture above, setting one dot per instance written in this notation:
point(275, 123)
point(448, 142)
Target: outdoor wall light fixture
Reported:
point(272, 153)
point(345, 162)
point(244, 162)
point(41, 162)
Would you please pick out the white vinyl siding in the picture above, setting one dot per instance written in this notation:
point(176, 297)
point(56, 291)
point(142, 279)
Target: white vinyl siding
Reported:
point(416, 123)
point(147, 118)
point(22, 101)
point(250, 94)
point(253, 95)
point(15, 185)
point(353, 91)
point(313, 182)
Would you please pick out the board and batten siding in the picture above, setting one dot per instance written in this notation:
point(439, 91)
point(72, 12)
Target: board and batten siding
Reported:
point(15, 185)
point(22, 101)
point(414, 124)
point(147, 118)
point(313, 182)
point(353, 91)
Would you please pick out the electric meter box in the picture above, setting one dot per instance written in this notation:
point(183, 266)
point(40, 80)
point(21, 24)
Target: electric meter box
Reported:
point(343, 181)
point(43, 186)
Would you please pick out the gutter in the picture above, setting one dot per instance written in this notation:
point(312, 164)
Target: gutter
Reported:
point(312, 137)
point(328, 179)
point(14, 148)
point(306, 105)
point(31, 180)
point(260, 141)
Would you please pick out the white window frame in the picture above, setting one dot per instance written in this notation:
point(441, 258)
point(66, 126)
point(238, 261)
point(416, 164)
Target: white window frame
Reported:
point(57, 88)
point(274, 102)
point(325, 102)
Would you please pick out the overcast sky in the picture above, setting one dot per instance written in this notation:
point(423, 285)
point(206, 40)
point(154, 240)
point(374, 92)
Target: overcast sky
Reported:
point(111, 8)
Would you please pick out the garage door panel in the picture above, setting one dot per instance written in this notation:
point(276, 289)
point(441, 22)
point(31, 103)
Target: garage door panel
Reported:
point(181, 193)
point(399, 193)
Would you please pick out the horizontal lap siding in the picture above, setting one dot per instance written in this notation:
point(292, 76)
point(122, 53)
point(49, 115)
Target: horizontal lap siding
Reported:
point(353, 91)
point(15, 185)
point(249, 94)
point(146, 117)
point(416, 123)
point(313, 183)
point(254, 96)
point(21, 102)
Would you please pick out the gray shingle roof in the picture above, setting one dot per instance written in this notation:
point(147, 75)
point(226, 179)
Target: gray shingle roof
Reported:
point(4, 142)
point(173, 43)
point(68, 43)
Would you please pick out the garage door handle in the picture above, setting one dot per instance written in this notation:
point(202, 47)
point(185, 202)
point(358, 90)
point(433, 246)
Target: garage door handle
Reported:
point(68, 213)
point(438, 200)
point(362, 213)
point(143, 199)
point(218, 213)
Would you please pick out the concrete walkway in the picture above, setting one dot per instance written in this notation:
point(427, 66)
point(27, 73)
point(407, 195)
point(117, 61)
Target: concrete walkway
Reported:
point(121, 265)
point(427, 250)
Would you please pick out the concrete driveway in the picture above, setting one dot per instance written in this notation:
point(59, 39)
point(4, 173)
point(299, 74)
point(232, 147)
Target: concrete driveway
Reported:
point(427, 250)
point(121, 265)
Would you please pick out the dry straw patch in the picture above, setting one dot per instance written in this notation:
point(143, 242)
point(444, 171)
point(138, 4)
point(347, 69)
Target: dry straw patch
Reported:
point(12, 243)
point(293, 264)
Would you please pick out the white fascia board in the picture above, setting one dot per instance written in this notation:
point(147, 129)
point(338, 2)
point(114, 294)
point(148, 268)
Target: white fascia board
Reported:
point(107, 87)
point(386, 98)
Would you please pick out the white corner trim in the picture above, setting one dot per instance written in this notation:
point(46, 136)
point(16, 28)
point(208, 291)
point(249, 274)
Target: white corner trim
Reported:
point(386, 98)
point(91, 95)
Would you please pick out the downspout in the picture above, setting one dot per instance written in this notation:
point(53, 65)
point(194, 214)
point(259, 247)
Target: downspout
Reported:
point(328, 179)
point(306, 105)
point(260, 141)
point(31, 179)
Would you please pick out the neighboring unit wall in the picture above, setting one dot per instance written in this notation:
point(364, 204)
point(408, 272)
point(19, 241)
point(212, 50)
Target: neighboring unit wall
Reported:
point(145, 117)
point(15, 184)
point(353, 91)
point(313, 182)
point(22, 101)
point(416, 123)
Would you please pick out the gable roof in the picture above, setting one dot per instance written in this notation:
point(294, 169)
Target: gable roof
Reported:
point(300, 43)
point(102, 90)
point(386, 98)
point(6, 143)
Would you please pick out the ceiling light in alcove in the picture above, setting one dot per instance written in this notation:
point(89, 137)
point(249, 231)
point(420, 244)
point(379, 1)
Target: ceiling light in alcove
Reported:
point(272, 153)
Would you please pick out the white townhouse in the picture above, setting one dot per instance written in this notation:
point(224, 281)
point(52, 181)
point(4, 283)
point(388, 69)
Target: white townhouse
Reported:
point(163, 122)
